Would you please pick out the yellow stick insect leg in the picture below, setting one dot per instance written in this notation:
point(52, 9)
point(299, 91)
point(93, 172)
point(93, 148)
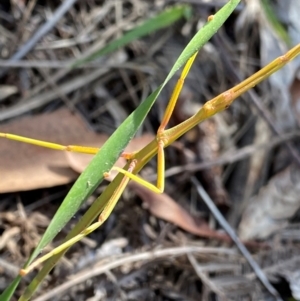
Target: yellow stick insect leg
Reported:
point(102, 218)
point(175, 94)
point(55, 146)
point(161, 140)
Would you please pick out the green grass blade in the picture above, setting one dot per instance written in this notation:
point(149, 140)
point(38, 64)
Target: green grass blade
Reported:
point(9, 291)
point(162, 20)
point(110, 151)
point(204, 35)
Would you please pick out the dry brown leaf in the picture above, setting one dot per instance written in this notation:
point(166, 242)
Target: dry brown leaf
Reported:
point(26, 167)
point(164, 207)
point(270, 210)
point(138, 143)
point(78, 161)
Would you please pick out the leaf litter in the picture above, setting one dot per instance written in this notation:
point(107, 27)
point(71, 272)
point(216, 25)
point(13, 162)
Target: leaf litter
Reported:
point(154, 278)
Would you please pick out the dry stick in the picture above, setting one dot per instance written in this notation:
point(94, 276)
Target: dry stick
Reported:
point(56, 87)
point(44, 29)
point(26, 15)
point(55, 64)
point(48, 96)
point(7, 17)
point(222, 221)
point(264, 113)
point(9, 268)
point(205, 278)
point(114, 262)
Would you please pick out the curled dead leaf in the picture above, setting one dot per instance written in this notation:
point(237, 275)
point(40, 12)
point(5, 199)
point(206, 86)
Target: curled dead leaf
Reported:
point(166, 208)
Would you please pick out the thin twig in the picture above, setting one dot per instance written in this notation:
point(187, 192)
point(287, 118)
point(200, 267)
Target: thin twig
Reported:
point(47, 97)
point(9, 268)
point(224, 224)
point(126, 259)
point(204, 277)
point(44, 29)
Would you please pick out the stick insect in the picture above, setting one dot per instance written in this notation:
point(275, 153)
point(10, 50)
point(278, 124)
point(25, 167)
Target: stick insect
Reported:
point(163, 139)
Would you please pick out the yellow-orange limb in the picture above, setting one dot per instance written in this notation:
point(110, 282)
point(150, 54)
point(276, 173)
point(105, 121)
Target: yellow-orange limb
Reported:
point(224, 100)
point(161, 139)
point(138, 179)
point(62, 247)
point(69, 148)
point(117, 193)
point(102, 218)
point(172, 102)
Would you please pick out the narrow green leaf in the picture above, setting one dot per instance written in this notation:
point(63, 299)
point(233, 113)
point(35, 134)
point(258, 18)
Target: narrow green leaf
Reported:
point(204, 35)
point(9, 291)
